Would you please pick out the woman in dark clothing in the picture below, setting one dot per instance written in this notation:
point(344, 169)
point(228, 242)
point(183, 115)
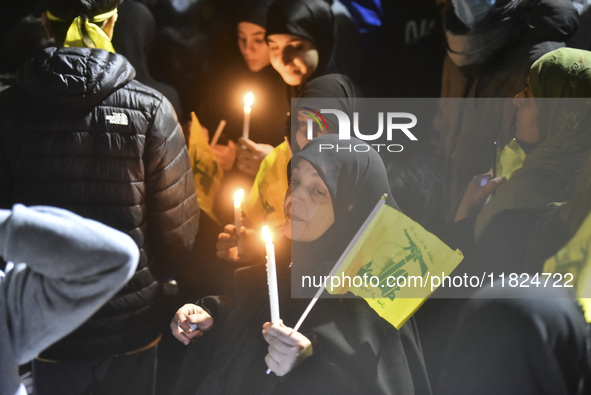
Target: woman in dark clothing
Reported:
point(519, 341)
point(517, 230)
point(134, 39)
point(545, 329)
point(343, 346)
point(252, 72)
point(557, 83)
point(489, 56)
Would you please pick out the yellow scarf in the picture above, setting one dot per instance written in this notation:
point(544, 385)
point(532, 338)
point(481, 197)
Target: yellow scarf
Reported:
point(95, 37)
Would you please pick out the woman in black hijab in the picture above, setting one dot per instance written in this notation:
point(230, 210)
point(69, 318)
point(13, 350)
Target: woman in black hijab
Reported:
point(301, 37)
point(251, 72)
point(343, 346)
point(339, 92)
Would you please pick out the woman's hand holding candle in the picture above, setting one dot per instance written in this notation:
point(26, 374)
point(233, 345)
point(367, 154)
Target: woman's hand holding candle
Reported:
point(249, 155)
point(253, 250)
point(225, 154)
point(287, 348)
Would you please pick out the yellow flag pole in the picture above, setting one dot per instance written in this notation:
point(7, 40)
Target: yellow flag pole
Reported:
point(336, 267)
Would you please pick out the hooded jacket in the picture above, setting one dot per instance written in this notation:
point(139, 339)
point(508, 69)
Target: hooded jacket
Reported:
point(79, 133)
point(493, 58)
point(45, 280)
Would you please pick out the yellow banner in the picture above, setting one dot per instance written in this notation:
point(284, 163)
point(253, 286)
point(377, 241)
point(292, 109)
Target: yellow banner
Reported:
point(206, 170)
point(573, 261)
point(398, 256)
point(264, 203)
point(510, 159)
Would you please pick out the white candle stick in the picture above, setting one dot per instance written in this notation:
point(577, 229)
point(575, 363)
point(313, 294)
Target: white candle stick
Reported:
point(218, 133)
point(238, 196)
point(248, 100)
point(271, 275)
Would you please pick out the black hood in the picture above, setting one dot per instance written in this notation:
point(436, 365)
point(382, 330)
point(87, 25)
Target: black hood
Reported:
point(551, 20)
point(76, 78)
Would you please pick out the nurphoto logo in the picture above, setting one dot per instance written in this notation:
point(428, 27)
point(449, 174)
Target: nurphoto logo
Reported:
point(393, 124)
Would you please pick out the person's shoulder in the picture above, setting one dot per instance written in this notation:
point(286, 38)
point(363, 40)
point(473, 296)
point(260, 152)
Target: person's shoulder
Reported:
point(141, 97)
point(141, 88)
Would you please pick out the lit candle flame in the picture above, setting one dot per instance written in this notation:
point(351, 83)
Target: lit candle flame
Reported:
point(248, 100)
point(238, 196)
point(267, 236)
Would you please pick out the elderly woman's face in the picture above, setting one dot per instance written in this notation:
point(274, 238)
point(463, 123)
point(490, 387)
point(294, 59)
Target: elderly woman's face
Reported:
point(253, 47)
point(294, 57)
point(307, 207)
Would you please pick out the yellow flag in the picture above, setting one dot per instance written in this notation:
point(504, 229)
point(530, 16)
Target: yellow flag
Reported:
point(510, 159)
point(573, 261)
point(264, 202)
point(206, 170)
point(390, 264)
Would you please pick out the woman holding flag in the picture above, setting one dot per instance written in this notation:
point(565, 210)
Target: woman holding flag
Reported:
point(343, 346)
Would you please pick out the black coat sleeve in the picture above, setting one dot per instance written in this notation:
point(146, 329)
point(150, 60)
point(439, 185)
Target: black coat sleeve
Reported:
point(173, 211)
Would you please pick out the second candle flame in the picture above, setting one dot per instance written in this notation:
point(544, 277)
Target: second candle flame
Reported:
point(248, 100)
point(238, 196)
point(267, 236)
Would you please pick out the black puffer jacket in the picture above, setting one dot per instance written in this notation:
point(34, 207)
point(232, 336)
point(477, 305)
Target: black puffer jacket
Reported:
point(81, 134)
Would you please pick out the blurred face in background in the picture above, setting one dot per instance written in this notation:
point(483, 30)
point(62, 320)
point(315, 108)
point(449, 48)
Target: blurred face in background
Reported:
point(253, 46)
point(294, 57)
point(527, 116)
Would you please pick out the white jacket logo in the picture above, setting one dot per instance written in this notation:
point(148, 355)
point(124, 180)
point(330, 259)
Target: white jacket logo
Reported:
point(118, 118)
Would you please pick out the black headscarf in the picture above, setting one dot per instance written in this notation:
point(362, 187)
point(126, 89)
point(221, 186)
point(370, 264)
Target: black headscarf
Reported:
point(355, 181)
point(336, 87)
point(253, 11)
point(311, 19)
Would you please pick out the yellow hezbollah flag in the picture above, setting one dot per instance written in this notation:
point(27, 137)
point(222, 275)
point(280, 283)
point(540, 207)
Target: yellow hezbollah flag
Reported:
point(510, 159)
point(264, 202)
point(392, 246)
point(206, 170)
point(574, 262)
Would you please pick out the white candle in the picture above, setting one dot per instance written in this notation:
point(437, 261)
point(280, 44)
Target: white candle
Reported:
point(248, 100)
point(238, 196)
point(218, 133)
point(271, 275)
